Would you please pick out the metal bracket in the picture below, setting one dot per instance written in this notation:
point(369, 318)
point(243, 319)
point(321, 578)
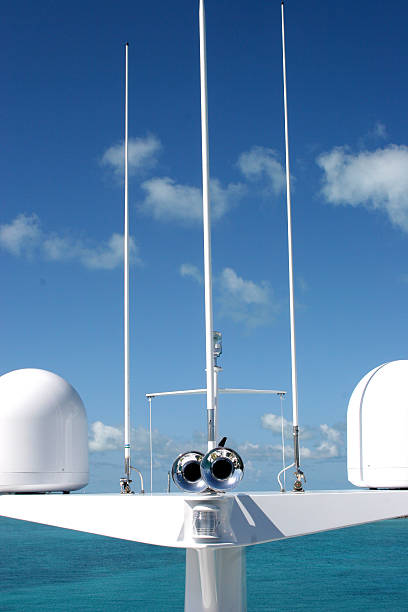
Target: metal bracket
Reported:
point(125, 485)
point(297, 485)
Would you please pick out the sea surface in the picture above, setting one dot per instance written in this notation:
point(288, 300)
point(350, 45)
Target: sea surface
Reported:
point(45, 568)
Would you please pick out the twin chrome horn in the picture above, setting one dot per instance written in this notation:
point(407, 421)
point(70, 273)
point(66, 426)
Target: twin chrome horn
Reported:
point(186, 472)
point(220, 469)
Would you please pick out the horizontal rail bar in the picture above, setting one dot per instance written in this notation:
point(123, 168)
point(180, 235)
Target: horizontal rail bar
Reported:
point(203, 391)
point(260, 391)
point(186, 392)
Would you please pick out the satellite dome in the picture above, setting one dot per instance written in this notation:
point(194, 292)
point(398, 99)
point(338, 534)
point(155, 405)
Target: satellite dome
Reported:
point(43, 434)
point(377, 426)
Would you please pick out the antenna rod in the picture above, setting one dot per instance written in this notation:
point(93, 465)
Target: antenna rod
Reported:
point(207, 236)
point(126, 284)
point(298, 471)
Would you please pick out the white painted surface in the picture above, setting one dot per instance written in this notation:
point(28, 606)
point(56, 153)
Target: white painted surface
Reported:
point(126, 343)
point(215, 580)
point(377, 428)
point(209, 353)
point(290, 248)
point(43, 433)
point(245, 518)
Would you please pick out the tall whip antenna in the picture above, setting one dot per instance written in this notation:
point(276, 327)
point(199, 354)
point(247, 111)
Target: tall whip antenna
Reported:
point(126, 289)
point(207, 237)
point(298, 472)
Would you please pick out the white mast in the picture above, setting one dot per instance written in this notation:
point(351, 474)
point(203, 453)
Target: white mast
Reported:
point(298, 472)
point(126, 285)
point(207, 237)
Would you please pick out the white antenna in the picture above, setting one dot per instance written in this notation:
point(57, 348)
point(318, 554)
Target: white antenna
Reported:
point(126, 285)
point(207, 237)
point(298, 472)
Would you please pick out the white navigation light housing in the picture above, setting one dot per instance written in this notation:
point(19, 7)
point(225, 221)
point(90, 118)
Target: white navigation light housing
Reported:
point(206, 521)
point(217, 344)
point(43, 434)
point(377, 428)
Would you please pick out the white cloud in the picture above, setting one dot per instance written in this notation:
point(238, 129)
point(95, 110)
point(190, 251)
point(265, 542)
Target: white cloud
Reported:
point(25, 236)
point(249, 447)
point(250, 451)
point(253, 471)
point(167, 200)
point(274, 423)
point(104, 437)
point(244, 290)
point(324, 441)
point(261, 162)
point(260, 452)
point(325, 450)
point(376, 179)
point(21, 235)
point(142, 155)
point(106, 256)
point(302, 284)
point(109, 255)
point(244, 300)
point(333, 435)
point(165, 449)
point(379, 131)
point(188, 270)
point(331, 446)
point(224, 198)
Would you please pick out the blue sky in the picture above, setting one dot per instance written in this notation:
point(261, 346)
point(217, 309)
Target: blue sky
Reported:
point(62, 215)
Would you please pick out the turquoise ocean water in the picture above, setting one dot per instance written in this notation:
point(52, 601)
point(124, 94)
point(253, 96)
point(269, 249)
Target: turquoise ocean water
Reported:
point(45, 568)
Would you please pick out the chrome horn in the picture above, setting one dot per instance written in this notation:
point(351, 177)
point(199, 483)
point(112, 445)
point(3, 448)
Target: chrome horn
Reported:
point(222, 468)
point(186, 472)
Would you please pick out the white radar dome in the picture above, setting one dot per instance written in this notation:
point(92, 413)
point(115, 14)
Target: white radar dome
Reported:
point(377, 428)
point(43, 434)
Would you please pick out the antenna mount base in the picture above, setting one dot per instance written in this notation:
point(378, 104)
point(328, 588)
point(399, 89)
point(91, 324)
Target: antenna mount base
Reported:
point(125, 485)
point(298, 485)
